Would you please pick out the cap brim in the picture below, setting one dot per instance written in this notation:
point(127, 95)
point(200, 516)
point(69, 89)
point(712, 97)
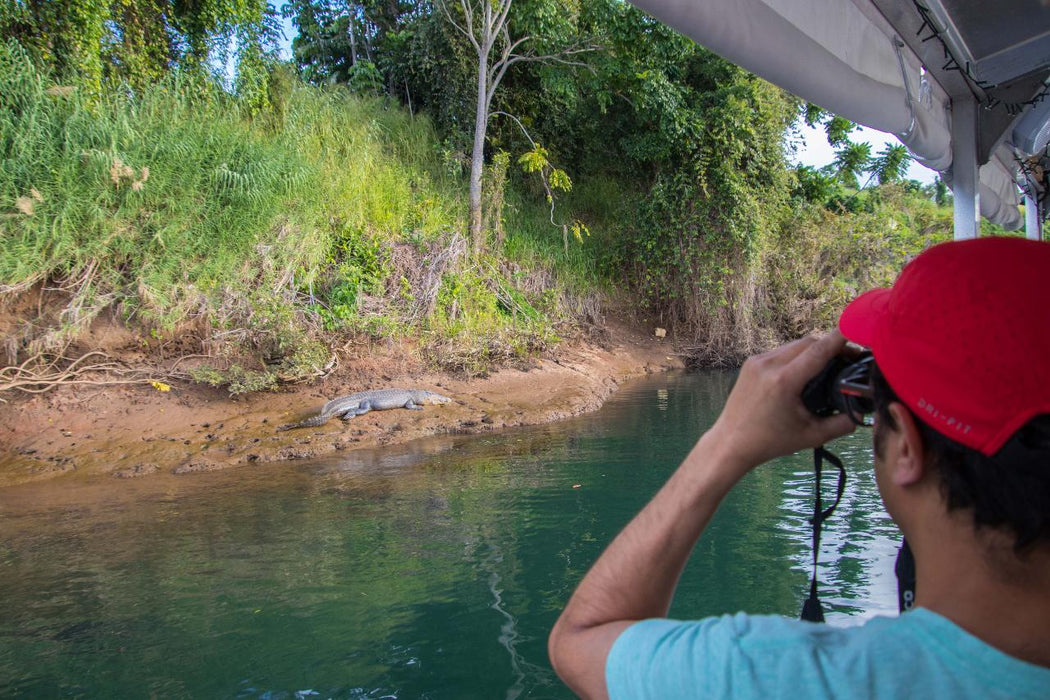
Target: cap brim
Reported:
point(862, 318)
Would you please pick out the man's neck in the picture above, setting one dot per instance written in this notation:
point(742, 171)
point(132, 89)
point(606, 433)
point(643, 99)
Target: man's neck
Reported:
point(979, 583)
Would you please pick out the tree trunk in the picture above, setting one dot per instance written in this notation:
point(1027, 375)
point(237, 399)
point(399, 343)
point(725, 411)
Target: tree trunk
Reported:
point(477, 161)
point(353, 42)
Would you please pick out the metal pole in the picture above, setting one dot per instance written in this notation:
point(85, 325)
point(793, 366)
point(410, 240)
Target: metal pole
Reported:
point(1033, 226)
point(965, 179)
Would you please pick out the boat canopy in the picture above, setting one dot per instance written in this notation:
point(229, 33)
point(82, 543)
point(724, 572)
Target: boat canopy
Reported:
point(964, 84)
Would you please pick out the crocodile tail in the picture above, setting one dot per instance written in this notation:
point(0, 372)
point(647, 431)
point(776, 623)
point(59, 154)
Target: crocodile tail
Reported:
point(317, 420)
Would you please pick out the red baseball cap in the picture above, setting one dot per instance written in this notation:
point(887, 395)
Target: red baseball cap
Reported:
point(963, 337)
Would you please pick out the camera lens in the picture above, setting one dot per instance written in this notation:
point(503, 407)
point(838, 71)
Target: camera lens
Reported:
point(843, 386)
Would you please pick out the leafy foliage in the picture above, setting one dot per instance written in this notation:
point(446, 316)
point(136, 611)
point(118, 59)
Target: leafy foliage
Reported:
point(138, 42)
point(851, 161)
point(696, 142)
point(891, 163)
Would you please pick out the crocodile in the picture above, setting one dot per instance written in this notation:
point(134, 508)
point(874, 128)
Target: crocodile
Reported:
point(346, 407)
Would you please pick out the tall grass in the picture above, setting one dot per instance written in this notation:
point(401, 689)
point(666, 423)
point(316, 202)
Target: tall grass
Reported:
point(151, 203)
point(177, 206)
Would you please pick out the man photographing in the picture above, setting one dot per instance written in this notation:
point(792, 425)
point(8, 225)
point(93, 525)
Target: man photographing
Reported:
point(961, 388)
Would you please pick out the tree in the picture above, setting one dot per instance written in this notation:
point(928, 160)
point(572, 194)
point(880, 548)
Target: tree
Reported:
point(485, 24)
point(938, 191)
point(813, 185)
point(65, 36)
point(340, 41)
point(851, 160)
point(837, 128)
point(322, 49)
point(891, 163)
point(134, 41)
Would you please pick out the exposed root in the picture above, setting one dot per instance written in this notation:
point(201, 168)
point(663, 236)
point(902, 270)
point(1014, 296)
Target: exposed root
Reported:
point(11, 291)
point(37, 374)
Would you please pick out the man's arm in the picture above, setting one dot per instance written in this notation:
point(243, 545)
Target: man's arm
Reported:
point(635, 578)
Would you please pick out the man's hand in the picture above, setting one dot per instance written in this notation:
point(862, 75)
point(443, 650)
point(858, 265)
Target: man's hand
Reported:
point(764, 417)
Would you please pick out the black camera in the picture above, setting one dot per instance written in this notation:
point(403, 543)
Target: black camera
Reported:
point(843, 386)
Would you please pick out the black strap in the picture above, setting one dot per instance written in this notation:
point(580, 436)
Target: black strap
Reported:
point(905, 570)
point(811, 609)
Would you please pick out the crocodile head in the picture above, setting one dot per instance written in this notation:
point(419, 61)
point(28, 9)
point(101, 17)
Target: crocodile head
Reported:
point(431, 398)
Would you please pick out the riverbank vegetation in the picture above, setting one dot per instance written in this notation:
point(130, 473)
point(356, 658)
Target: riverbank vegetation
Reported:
point(163, 169)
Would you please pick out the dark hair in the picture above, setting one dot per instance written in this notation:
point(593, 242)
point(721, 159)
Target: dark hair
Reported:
point(1010, 489)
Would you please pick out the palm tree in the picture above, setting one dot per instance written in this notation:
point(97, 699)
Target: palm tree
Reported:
point(850, 161)
point(891, 164)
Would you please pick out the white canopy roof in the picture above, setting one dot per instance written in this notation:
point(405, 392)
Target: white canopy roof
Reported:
point(964, 84)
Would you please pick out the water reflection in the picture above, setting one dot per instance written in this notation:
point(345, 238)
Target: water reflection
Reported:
point(433, 569)
point(858, 542)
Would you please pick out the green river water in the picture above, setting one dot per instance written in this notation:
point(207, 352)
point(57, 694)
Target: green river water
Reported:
point(429, 570)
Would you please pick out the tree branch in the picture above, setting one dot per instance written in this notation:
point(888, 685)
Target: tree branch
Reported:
point(500, 66)
point(509, 46)
point(555, 58)
point(487, 33)
point(543, 175)
point(468, 13)
point(469, 34)
point(518, 122)
point(501, 17)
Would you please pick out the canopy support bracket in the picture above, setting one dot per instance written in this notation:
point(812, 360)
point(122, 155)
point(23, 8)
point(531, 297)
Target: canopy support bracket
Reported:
point(965, 168)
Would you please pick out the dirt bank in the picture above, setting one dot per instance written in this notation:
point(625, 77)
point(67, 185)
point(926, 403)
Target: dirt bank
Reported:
point(136, 431)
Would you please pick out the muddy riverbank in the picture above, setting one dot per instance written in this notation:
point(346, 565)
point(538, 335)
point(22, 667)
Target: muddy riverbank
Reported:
point(137, 431)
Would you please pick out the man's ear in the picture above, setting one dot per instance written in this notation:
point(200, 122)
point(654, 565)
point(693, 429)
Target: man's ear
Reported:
point(909, 466)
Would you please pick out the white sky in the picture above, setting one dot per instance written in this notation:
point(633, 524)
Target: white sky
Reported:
point(814, 149)
point(285, 45)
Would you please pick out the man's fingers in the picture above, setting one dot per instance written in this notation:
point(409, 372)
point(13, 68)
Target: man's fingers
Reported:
point(812, 358)
point(835, 427)
point(788, 352)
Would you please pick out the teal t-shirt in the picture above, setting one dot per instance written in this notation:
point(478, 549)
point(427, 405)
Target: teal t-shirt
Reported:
point(919, 655)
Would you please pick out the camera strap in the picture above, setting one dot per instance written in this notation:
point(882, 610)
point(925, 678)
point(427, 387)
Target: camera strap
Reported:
point(905, 571)
point(811, 609)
